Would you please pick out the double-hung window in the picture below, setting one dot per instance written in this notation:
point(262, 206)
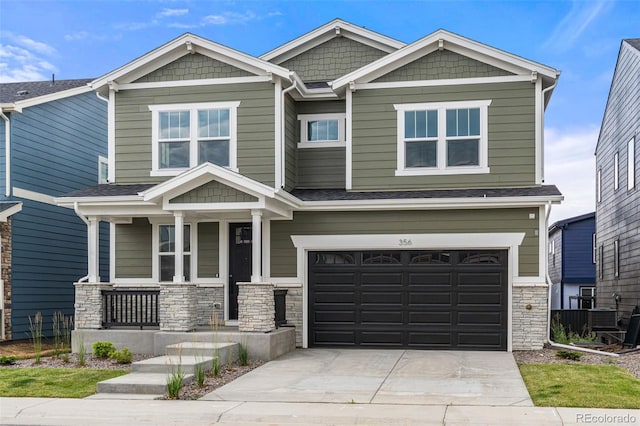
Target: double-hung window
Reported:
point(186, 135)
point(442, 138)
point(167, 255)
point(322, 130)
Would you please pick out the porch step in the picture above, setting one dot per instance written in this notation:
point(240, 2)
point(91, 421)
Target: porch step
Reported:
point(139, 383)
point(167, 364)
point(210, 349)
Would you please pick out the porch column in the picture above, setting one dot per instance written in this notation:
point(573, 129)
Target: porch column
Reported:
point(256, 246)
point(178, 276)
point(93, 249)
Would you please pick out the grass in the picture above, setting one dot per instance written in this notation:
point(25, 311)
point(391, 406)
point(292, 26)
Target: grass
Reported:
point(583, 386)
point(52, 382)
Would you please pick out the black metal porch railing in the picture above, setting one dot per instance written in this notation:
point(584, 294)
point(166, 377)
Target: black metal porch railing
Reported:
point(280, 299)
point(130, 308)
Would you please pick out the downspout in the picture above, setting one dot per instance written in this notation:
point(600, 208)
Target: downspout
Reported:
point(544, 91)
point(282, 131)
point(86, 221)
point(7, 153)
point(548, 279)
point(102, 97)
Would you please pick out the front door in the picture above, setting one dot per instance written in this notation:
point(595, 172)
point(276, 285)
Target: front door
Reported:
point(239, 262)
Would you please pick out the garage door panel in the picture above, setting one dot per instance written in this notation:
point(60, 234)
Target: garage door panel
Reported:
point(410, 299)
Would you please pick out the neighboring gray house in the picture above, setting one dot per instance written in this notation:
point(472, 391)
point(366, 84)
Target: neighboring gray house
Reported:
point(617, 192)
point(53, 139)
point(394, 189)
point(572, 262)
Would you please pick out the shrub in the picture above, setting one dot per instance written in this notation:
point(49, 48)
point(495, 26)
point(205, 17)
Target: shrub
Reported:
point(123, 356)
point(103, 349)
point(8, 360)
point(174, 383)
point(243, 355)
point(35, 329)
point(573, 356)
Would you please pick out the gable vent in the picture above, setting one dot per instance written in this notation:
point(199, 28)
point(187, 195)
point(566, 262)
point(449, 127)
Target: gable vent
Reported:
point(22, 92)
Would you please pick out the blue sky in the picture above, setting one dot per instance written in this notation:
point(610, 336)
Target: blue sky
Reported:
point(88, 38)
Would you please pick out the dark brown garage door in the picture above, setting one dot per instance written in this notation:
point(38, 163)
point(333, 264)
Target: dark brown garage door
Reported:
point(420, 299)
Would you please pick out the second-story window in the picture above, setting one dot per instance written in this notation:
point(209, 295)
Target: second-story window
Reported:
point(322, 130)
point(442, 138)
point(631, 164)
point(186, 135)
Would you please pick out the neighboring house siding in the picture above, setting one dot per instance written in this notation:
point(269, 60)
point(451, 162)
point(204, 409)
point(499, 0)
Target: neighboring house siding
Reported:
point(291, 132)
point(54, 150)
point(555, 260)
point(617, 213)
point(283, 253)
point(511, 136)
point(214, 192)
point(578, 266)
point(442, 65)
point(208, 250)
point(256, 127)
point(134, 250)
point(332, 59)
point(321, 168)
point(193, 67)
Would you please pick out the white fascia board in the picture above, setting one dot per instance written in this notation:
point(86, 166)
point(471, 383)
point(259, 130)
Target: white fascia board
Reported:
point(443, 82)
point(430, 203)
point(451, 42)
point(190, 83)
point(203, 207)
point(4, 215)
point(328, 31)
point(19, 105)
point(186, 44)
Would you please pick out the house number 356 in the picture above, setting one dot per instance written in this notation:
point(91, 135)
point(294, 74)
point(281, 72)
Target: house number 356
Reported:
point(405, 242)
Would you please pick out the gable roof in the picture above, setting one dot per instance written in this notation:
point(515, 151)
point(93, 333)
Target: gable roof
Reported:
point(326, 32)
point(184, 45)
point(29, 93)
point(562, 223)
point(634, 42)
point(442, 39)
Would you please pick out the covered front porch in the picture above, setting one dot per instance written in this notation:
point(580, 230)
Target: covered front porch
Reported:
point(189, 253)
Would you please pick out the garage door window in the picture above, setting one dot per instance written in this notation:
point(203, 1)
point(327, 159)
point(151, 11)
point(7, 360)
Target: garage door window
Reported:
point(429, 258)
point(478, 257)
point(329, 258)
point(381, 258)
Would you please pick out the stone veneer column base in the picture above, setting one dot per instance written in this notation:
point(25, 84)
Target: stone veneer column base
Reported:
point(178, 307)
point(88, 306)
point(256, 307)
point(5, 276)
point(529, 317)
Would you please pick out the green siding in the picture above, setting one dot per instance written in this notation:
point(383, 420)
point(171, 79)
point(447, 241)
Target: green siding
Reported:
point(321, 107)
point(256, 127)
point(283, 254)
point(133, 250)
point(511, 131)
point(193, 67)
point(332, 59)
point(321, 168)
point(291, 131)
point(213, 192)
point(208, 250)
point(442, 65)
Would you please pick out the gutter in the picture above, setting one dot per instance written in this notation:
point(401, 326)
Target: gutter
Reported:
point(7, 153)
point(282, 170)
point(551, 342)
point(86, 221)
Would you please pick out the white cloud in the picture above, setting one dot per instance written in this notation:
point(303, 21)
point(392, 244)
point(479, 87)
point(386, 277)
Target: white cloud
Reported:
point(25, 59)
point(229, 18)
point(581, 15)
point(171, 12)
point(570, 165)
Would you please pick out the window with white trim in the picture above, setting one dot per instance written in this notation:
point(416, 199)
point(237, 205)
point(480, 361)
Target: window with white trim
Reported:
point(186, 135)
point(616, 172)
point(593, 248)
point(103, 170)
point(631, 164)
point(442, 138)
point(322, 130)
point(599, 186)
point(167, 255)
point(616, 258)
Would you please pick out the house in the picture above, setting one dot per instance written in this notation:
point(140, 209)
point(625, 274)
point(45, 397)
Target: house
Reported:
point(52, 141)
point(394, 190)
point(572, 264)
point(617, 194)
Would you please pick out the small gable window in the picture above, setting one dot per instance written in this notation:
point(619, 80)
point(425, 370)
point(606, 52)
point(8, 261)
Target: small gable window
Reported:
point(442, 138)
point(322, 130)
point(103, 170)
point(186, 135)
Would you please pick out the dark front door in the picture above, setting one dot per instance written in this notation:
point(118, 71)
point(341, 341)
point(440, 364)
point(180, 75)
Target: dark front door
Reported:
point(239, 262)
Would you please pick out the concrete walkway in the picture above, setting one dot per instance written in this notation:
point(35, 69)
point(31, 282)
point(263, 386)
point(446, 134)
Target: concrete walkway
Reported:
point(376, 376)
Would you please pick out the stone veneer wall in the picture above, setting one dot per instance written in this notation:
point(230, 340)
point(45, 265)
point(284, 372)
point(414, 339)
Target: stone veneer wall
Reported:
point(530, 320)
point(88, 305)
point(178, 306)
point(256, 307)
point(294, 312)
point(208, 297)
point(5, 275)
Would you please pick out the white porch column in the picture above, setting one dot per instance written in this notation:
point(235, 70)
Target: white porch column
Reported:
point(256, 246)
point(93, 252)
point(178, 276)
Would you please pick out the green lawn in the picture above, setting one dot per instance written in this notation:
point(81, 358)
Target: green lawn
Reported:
point(52, 382)
point(579, 385)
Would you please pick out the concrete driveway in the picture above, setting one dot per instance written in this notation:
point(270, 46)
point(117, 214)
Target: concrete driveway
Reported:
point(378, 376)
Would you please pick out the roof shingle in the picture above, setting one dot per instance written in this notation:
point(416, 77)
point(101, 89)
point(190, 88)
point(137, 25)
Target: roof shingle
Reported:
point(14, 92)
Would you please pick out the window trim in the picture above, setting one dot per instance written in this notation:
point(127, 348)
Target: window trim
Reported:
point(631, 164)
point(441, 164)
point(601, 261)
point(616, 171)
point(155, 263)
point(599, 186)
point(304, 136)
point(103, 161)
point(616, 258)
point(593, 248)
point(193, 108)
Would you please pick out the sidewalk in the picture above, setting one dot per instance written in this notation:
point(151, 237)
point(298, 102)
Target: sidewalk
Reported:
point(49, 411)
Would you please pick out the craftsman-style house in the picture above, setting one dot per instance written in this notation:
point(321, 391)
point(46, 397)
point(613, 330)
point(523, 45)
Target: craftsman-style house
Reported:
point(395, 190)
